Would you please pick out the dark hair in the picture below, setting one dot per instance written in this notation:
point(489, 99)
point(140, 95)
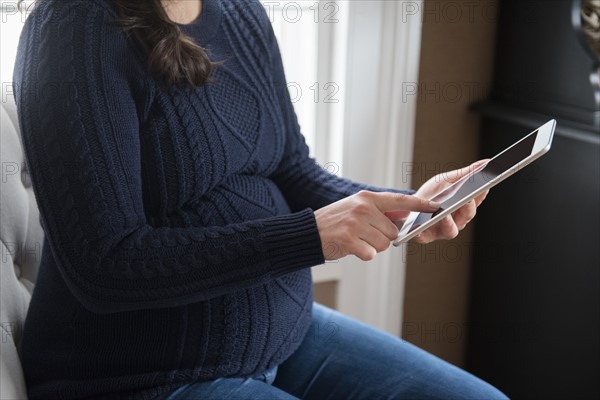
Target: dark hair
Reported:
point(172, 55)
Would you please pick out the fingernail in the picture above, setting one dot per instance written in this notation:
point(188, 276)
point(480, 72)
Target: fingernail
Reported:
point(434, 204)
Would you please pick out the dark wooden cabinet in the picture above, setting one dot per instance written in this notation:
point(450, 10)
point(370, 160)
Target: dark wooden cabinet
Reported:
point(535, 293)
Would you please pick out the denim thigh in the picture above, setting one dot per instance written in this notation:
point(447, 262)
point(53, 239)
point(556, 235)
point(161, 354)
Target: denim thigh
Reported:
point(257, 388)
point(341, 358)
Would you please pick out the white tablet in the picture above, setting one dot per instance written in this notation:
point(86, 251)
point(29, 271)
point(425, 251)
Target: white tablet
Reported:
point(503, 165)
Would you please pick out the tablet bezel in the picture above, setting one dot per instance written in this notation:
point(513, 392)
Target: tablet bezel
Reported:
point(545, 134)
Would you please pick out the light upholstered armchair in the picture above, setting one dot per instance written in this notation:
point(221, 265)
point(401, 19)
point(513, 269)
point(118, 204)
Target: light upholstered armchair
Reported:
point(21, 239)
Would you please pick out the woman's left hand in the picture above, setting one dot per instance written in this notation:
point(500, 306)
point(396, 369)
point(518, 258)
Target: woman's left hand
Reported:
point(450, 226)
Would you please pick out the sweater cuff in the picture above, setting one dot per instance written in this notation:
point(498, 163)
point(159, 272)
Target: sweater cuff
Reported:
point(293, 242)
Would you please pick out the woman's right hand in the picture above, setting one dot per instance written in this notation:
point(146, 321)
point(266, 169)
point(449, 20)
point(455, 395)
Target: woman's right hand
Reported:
point(359, 224)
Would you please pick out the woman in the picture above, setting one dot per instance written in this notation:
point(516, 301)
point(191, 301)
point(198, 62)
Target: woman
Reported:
point(177, 198)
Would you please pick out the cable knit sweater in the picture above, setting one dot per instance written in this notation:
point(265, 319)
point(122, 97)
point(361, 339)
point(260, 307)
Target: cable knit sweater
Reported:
point(178, 223)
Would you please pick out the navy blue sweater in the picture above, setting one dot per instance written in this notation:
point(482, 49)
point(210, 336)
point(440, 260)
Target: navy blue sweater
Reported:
point(179, 223)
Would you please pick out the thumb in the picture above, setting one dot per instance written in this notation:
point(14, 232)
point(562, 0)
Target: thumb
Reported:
point(387, 202)
point(458, 174)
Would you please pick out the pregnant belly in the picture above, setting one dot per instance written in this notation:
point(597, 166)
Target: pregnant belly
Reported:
point(241, 198)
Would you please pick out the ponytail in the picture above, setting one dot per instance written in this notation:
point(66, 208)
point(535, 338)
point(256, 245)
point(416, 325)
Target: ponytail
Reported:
point(172, 55)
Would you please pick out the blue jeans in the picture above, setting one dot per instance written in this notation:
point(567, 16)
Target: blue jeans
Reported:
point(341, 358)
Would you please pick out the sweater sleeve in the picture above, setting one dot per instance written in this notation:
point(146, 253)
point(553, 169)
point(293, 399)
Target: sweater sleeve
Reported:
point(80, 132)
point(301, 179)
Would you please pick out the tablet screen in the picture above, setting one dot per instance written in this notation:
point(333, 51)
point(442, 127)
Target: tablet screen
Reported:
point(474, 181)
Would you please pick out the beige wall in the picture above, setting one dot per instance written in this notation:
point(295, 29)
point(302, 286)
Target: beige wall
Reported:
point(326, 293)
point(456, 69)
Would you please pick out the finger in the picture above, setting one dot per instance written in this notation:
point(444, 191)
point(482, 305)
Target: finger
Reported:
point(465, 214)
point(450, 226)
point(385, 226)
point(427, 236)
point(479, 199)
point(422, 238)
point(376, 239)
point(363, 250)
point(397, 215)
point(387, 202)
point(444, 229)
point(448, 229)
